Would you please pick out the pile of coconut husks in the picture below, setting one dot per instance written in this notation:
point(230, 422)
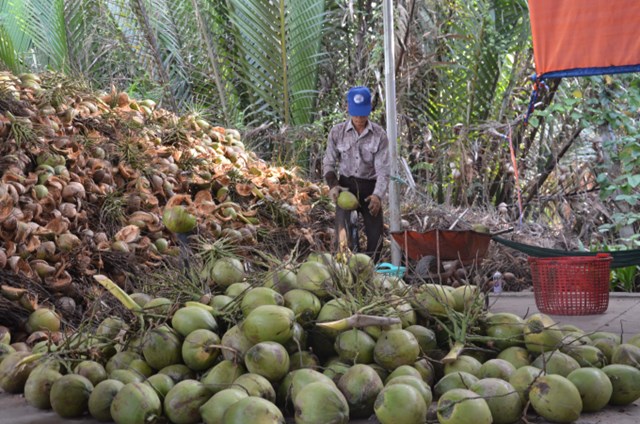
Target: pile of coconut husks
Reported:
point(85, 179)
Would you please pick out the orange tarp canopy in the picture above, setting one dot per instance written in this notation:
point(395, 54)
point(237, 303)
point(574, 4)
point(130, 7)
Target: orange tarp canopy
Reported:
point(587, 35)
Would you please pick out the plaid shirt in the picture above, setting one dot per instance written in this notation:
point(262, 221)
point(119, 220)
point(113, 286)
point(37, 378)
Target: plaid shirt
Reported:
point(363, 155)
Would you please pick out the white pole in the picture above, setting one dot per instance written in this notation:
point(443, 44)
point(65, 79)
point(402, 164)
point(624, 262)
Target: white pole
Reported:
point(390, 89)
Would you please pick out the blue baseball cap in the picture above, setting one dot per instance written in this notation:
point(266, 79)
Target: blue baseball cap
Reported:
point(359, 99)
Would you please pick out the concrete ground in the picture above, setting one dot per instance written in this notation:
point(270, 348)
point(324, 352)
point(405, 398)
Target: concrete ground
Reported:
point(622, 317)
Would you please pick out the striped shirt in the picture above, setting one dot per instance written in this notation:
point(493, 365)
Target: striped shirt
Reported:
point(363, 155)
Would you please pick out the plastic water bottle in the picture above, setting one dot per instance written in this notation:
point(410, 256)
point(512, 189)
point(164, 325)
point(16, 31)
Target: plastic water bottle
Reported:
point(497, 282)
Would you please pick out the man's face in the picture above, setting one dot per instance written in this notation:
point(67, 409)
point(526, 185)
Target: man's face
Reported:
point(359, 121)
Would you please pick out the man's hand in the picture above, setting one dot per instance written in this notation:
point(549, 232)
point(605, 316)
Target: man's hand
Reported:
point(374, 204)
point(335, 192)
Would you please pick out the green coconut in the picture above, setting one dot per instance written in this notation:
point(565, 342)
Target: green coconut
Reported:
point(400, 404)
point(200, 349)
point(360, 385)
point(178, 372)
point(268, 359)
point(92, 370)
point(467, 297)
point(395, 348)
point(506, 330)
point(141, 298)
point(335, 370)
point(5, 350)
point(432, 299)
point(126, 376)
point(606, 346)
point(416, 382)
point(556, 362)
point(556, 399)
point(403, 370)
point(161, 383)
point(303, 359)
point(523, 378)
point(259, 296)
point(425, 336)
point(227, 271)
point(542, 334)
point(321, 402)
point(223, 375)
point(14, 371)
point(598, 335)
point(256, 385)
point(303, 377)
point(455, 380)
point(282, 281)
point(136, 403)
point(626, 354)
point(141, 367)
point(625, 380)
point(121, 360)
point(191, 318)
point(361, 266)
point(516, 356)
point(347, 201)
point(162, 347)
point(355, 346)
point(333, 310)
point(594, 386)
point(101, 397)
point(253, 410)
point(464, 363)
point(496, 368)
point(37, 388)
point(462, 406)
point(314, 277)
point(178, 220)
point(426, 370)
point(504, 402)
point(182, 403)
point(235, 344)
point(236, 289)
point(69, 395)
point(269, 323)
point(298, 340)
point(43, 319)
point(220, 303)
point(109, 328)
point(586, 355)
point(304, 304)
point(158, 306)
point(213, 410)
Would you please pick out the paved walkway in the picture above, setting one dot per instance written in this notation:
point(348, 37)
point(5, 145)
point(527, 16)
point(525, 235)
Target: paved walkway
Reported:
point(622, 317)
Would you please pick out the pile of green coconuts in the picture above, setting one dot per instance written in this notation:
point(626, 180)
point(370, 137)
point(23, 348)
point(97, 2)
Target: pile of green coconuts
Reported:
point(326, 341)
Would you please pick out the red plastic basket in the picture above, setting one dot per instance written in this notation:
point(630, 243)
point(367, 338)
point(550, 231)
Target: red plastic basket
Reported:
point(571, 285)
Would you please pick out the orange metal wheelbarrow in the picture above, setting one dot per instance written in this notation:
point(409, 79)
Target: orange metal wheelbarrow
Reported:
point(429, 250)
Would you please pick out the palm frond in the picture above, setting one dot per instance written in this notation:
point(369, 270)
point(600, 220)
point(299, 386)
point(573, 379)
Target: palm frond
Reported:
point(14, 43)
point(280, 42)
point(44, 22)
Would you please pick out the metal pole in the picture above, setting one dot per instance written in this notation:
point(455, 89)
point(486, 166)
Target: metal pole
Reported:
point(390, 89)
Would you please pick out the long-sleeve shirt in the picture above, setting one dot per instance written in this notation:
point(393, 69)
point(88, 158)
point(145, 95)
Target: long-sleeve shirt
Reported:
point(363, 155)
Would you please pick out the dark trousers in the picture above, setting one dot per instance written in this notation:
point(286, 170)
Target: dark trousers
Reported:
point(373, 225)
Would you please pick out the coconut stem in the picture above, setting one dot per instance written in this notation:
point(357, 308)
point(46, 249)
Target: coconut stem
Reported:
point(453, 354)
point(359, 321)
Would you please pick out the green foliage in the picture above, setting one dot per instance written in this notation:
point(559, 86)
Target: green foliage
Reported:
point(279, 42)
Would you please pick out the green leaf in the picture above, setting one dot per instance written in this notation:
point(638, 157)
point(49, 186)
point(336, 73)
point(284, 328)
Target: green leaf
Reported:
point(630, 199)
point(634, 180)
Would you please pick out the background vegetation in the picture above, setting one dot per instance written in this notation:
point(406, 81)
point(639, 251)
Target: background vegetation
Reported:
point(278, 70)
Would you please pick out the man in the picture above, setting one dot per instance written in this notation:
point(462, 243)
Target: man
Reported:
point(357, 160)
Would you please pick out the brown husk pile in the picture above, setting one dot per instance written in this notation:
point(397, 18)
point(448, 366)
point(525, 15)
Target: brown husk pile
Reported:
point(85, 178)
